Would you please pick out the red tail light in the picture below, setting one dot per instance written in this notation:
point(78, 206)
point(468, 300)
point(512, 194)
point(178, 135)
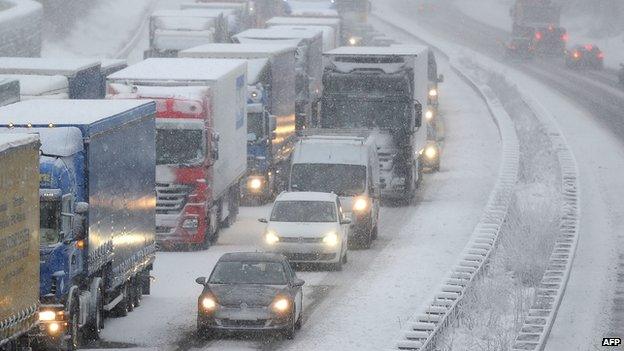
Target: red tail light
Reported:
point(589, 47)
point(538, 36)
point(565, 37)
point(600, 55)
point(576, 54)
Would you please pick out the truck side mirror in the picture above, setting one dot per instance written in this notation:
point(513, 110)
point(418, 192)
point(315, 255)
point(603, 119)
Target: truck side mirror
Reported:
point(441, 78)
point(418, 115)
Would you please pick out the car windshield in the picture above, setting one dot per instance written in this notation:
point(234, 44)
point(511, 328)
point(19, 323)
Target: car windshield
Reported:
point(304, 211)
point(50, 222)
point(261, 273)
point(179, 146)
point(343, 180)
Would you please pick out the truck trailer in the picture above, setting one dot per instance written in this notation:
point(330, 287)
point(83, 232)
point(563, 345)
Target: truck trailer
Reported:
point(270, 111)
point(382, 89)
point(539, 22)
point(309, 65)
point(40, 87)
point(19, 240)
point(334, 23)
point(238, 16)
point(96, 199)
point(175, 30)
point(84, 76)
point(201, 141)
point(9, 90)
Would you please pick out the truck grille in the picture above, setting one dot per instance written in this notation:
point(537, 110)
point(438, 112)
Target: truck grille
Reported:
point(171, 198)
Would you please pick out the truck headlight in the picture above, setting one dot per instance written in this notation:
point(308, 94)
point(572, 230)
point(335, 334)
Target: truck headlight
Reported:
point(331, 239)
point(431, 152)
point(433, 92)
point(429, 115)
point(254, 184)
point(190, 223)
point(54, 328)
point(271, 238)
point(361, 204)
point(46, 316)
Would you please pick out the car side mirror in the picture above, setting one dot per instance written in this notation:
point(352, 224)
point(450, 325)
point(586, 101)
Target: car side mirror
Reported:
point(298, 282)
point(201, 280)
point(441, 78)
point(345, 221)
point(263, 220)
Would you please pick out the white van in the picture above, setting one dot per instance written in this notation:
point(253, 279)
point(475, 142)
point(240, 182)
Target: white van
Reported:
point(343, 162)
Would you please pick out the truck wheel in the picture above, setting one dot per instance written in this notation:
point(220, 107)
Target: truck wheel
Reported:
point(73, 331)
point(138, 291)
point(95, 322)
point(130, 298)
point(146, 282)
point(121, 310)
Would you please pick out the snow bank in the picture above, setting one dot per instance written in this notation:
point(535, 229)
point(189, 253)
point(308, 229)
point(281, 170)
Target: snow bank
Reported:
point(20, 28)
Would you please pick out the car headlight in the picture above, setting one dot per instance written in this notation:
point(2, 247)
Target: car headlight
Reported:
point(190, 223)
point(429, 115)
point(431, 152)
point(433, 92)
point(281, 305)
point(46, 316)
point(254, 184)
point(331, 239)
point(271, 238)
point(209, 303)
point(360, 204)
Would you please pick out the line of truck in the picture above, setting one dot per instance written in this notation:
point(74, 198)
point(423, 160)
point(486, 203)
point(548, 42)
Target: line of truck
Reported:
point(162, 152)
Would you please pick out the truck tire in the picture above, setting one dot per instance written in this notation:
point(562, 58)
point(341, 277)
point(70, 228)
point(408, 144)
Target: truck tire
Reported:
point(95, 321)
point(137, 291)
point(146, 282)
point(73, 329)
point(121, 310)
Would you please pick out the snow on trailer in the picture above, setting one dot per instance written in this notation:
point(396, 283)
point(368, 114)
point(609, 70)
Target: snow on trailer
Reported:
point(202, 129)
point(334, 23)
point(9, 90)
point(84, 75)
point(329, 34)
point(41, 87)
point(238, 16)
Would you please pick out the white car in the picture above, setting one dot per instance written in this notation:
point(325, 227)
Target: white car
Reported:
point(308, 227)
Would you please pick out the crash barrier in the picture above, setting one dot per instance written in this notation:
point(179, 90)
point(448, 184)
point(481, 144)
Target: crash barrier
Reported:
point(427, 326)
point(20, 28)
point(537, 326)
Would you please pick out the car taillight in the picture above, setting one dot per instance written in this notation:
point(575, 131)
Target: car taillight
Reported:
point(589, 47)
point(576, 54)
point(565, 37)
point(600, 55)
point(538, 36)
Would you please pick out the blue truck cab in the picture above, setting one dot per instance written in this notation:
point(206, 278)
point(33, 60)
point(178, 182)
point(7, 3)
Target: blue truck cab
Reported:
point(97, 209)
point(85, 80)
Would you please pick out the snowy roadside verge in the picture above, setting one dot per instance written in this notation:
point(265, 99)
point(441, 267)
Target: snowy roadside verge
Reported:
point(427, 325)
point(550, 291)
point(20, 28)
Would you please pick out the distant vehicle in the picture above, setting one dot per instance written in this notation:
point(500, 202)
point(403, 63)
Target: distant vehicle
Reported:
point(250, 292)
point(520, 48)
point(308, 227)
point(430, 156)
point(9, 90)
point(539, 21)
point(621, 74)
point(343, 162)
point(585, 56)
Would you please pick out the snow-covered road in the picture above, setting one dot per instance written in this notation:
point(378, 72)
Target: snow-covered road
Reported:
point(589, 113)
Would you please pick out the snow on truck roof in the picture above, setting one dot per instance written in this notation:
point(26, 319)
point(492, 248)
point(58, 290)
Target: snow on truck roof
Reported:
point(379, 50)
point(209, 12)
point(321, 21)
point(188, 69)
point(63, 112)
point(255, 68)
point(44, 66)
point(244, 50)
point(213, 5)
point(34, 85)
point(306, 196)
point(9, 141)
point(277, 33)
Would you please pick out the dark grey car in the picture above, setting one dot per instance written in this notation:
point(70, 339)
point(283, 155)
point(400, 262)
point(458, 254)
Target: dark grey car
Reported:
point(250, 292)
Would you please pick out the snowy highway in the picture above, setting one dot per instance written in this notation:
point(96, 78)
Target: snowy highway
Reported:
point(372, 298)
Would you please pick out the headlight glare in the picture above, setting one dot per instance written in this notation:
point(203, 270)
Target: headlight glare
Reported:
point(54, 328)
point(429, 115)
point(433, 92)
point(254, 184)
point(431, 152)
point(209, 303)
point(281, 305)
point(45, 316)
point(360, 204)
point(271, 238)
point(331, 239)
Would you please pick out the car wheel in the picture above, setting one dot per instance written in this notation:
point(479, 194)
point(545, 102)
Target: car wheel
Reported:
point(289, 332)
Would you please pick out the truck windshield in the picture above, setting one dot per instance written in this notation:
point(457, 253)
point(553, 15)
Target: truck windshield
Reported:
point(343, 180)
point(50, 222)
point(255, 128)
point(179, 146)
point(304, 211)
point(344, 111)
